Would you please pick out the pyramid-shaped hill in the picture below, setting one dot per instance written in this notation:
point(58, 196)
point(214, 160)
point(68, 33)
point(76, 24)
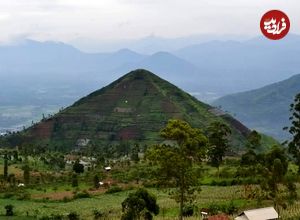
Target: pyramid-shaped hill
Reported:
point(132, 108)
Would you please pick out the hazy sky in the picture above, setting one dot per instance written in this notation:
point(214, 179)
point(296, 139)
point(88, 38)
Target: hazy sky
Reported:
point(110, 20)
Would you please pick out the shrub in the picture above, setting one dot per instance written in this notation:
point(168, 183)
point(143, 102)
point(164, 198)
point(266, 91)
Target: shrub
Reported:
point(9, 210)
point(235, 182)
point(96, 182)
point(23, 196)
point(213, 183)
point(114, 189)
point(74, 180)
point(67, 199)
point(8, 195)
point(226, 173)
point(213, 208)
point(150, 184)
point(188, 210)
point(52, 217)
point(148, 216)
point(140, 203)
point(98, 214)
point(73, 216)
point(83, 194)
point(230, 208)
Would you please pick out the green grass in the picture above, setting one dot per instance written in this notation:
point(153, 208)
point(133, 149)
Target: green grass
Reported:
point(111, 203)
point(16, 218)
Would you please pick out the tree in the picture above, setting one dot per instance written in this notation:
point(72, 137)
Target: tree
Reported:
point(5, 168)
point(275, 174)
point(175, 161)
point(254, 140)
point(294, 130)
point(74, 180)
point(139, 203)
point(135, 153)
point(218, 143)
point(96, 181)
point(26, 174)
point(57, 161)
point(78, 167)
point(16, 155)
point(252, 159)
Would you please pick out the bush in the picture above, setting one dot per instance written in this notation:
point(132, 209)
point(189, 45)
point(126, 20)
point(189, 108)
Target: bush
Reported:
point(74, 180)
point(81, 195)
point(52, 217)
point(235, 182)
point(140, 203)
point(224, 183)
point(213, 183)
point(114, 189)
point(23, 196)
point(226, 173)
point(228, 208)
point(67, 199)
point(9, 210)
point(250, 181)
point(213, 208)
point(73, 216)
point(8, 195)
point(98, 214)
point(148, 216)
point(150, 184)
point(188, 210)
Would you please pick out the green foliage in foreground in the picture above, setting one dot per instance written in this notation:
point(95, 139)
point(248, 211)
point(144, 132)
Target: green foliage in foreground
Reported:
point(175, 163)
point(139, 203)
point(294, 130)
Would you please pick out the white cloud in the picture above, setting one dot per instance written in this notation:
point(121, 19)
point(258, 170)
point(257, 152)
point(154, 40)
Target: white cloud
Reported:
point(102, 20)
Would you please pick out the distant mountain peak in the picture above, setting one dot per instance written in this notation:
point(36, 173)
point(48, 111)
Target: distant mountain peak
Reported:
point(126, 51)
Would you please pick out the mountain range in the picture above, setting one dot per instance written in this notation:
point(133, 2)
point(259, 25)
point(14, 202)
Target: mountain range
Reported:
point(265, 109)
point(41, 77)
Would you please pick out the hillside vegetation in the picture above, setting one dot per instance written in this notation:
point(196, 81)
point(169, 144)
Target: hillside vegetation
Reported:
point(265, 109)
point(131, 109)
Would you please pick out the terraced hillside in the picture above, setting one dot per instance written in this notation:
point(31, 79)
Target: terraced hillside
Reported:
point(133, 108)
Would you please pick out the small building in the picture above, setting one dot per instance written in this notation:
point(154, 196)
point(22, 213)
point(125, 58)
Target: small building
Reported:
point(82, 142)
point(268, 213)
point(107, 168)
point(21, 185)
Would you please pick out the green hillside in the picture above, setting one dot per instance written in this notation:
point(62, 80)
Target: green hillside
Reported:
point(133, 108)
point(265, 109)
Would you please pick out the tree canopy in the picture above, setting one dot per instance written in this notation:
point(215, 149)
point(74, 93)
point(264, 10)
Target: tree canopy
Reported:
point(218, 134)
point(294, 130)
point(175, 161)
point(139, 204)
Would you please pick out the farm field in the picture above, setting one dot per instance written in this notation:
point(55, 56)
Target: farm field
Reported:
point(110, 204)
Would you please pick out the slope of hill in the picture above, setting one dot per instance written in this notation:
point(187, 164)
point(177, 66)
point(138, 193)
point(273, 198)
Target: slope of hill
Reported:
point(265, 109)
point(133, 108)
